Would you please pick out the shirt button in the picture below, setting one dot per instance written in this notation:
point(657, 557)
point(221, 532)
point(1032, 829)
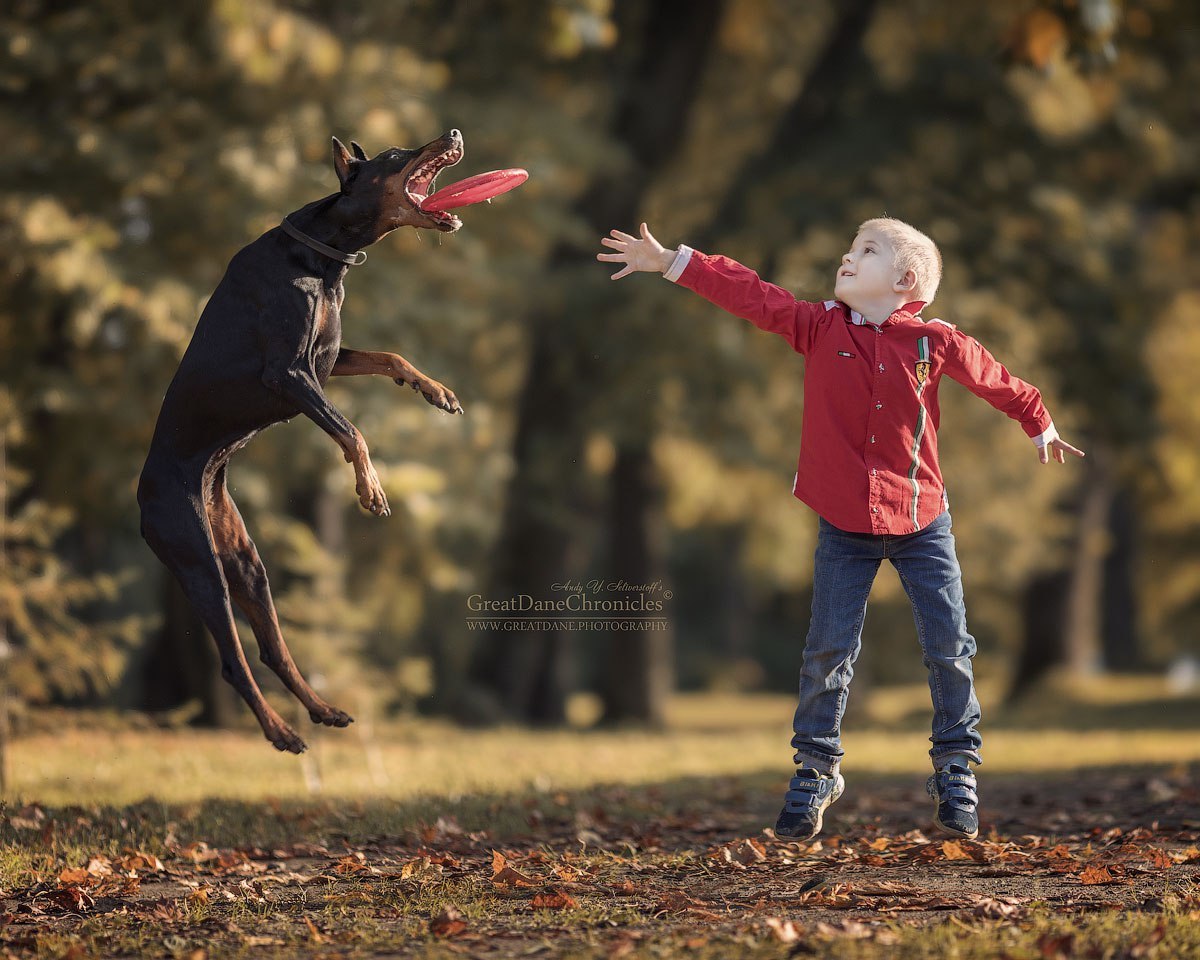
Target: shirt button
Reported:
point(874, 509)
point(879, 406)
point(881, 368)
point(873, 471)
point(872, 438)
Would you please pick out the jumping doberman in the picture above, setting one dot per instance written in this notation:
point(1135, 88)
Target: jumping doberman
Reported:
point(266, 343)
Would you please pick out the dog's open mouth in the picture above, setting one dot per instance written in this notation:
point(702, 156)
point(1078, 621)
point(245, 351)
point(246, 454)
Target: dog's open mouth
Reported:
point(420, 185)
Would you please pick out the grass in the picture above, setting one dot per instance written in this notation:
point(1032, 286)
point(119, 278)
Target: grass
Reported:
point(1112, 721)
point(714, 773)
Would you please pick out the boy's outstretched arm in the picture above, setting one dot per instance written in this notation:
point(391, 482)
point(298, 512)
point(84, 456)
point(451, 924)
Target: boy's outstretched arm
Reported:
point(972, 365)
point(646, 254)
point(723, 281)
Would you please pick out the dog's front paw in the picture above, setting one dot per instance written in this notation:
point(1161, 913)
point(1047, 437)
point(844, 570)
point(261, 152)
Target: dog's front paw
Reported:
point(437, 394)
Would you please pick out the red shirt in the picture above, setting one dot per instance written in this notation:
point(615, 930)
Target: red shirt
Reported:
point(868, 449)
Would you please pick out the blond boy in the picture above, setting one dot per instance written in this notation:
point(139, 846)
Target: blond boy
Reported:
point(869, 468)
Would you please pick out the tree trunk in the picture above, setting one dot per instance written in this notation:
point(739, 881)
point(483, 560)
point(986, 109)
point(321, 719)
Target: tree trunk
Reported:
point(1083, 619)
point(526, 675)
point(1043, 615)
point(1119, 632)
point(640, 664)
point(182, 664)
point(1082, 648)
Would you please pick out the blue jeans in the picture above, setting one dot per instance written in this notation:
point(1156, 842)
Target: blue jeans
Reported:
point(845, 568)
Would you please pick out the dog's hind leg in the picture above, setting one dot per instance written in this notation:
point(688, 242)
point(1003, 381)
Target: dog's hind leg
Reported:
point(250, 590)
point(175, 526)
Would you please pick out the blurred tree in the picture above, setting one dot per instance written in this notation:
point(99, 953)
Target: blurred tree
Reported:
point(527, 672)
point(144, 152)
point(59, 639)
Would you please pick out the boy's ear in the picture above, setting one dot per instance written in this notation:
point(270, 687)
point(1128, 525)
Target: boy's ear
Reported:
point(906, 282)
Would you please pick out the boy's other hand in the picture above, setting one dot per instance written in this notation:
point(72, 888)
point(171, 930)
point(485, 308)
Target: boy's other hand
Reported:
point(1060, 448)
point(646, 254)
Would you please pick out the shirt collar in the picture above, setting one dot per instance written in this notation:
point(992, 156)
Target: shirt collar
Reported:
point(913, 309)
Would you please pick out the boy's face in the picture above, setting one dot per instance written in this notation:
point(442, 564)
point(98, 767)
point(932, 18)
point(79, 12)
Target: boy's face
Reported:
point(867, 273)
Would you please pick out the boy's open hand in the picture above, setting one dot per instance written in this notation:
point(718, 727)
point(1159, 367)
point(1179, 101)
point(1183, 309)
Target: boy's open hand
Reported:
point(646, 254)
point(1060, 448)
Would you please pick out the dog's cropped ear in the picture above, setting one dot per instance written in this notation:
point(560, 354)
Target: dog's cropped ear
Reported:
point(344, 164)
point(358, 151)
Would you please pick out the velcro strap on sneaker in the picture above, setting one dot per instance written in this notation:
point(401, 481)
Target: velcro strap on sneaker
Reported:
point(954, 792)
point(801, 798)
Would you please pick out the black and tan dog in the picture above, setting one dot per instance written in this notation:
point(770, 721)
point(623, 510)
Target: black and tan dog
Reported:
point(265, 344)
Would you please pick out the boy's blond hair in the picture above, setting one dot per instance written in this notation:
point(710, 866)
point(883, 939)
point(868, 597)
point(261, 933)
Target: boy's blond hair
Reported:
point(914, 251)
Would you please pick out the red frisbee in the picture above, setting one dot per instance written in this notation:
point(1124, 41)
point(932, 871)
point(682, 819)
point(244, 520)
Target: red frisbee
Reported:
point(482, 186)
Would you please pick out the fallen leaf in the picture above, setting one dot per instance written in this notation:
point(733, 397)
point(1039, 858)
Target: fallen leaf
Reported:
point(141, 862)
point(255, 940)
point(750, 851)
point(1093, 874)
point(784, 930)
point(844, 928)
point(72, 898)
point(313, 933)
point(886, 888)
point(952, 850)
point(554, 900)
point(352, 864)
point(675, 902)
point(1056, 946)
point(28, 818)
point(198, 896)
point(998, 908)
point(164, 910)
point(513, 878)
point(566, 872)
point(448, 922)
point(199, 852)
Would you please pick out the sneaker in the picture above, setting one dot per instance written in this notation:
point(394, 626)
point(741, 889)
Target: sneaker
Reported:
point(809, 793)
point(952, 790)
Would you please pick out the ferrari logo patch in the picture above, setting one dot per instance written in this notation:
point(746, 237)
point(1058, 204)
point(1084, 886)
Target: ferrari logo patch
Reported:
point(923, 362)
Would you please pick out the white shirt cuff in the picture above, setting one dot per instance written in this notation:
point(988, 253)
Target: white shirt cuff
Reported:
point(682, 257)
point(1044, 438)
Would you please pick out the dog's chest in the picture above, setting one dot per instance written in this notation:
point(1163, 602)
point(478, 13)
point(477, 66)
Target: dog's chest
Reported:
point(327, 332)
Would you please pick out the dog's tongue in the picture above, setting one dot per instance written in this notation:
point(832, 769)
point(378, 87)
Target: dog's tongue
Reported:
point(482, 186)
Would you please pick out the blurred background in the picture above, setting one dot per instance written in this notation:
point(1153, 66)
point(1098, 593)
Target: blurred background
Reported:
point(613, 432)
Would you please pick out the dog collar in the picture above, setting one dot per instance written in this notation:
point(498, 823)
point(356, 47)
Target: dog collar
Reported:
point(354, 259)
